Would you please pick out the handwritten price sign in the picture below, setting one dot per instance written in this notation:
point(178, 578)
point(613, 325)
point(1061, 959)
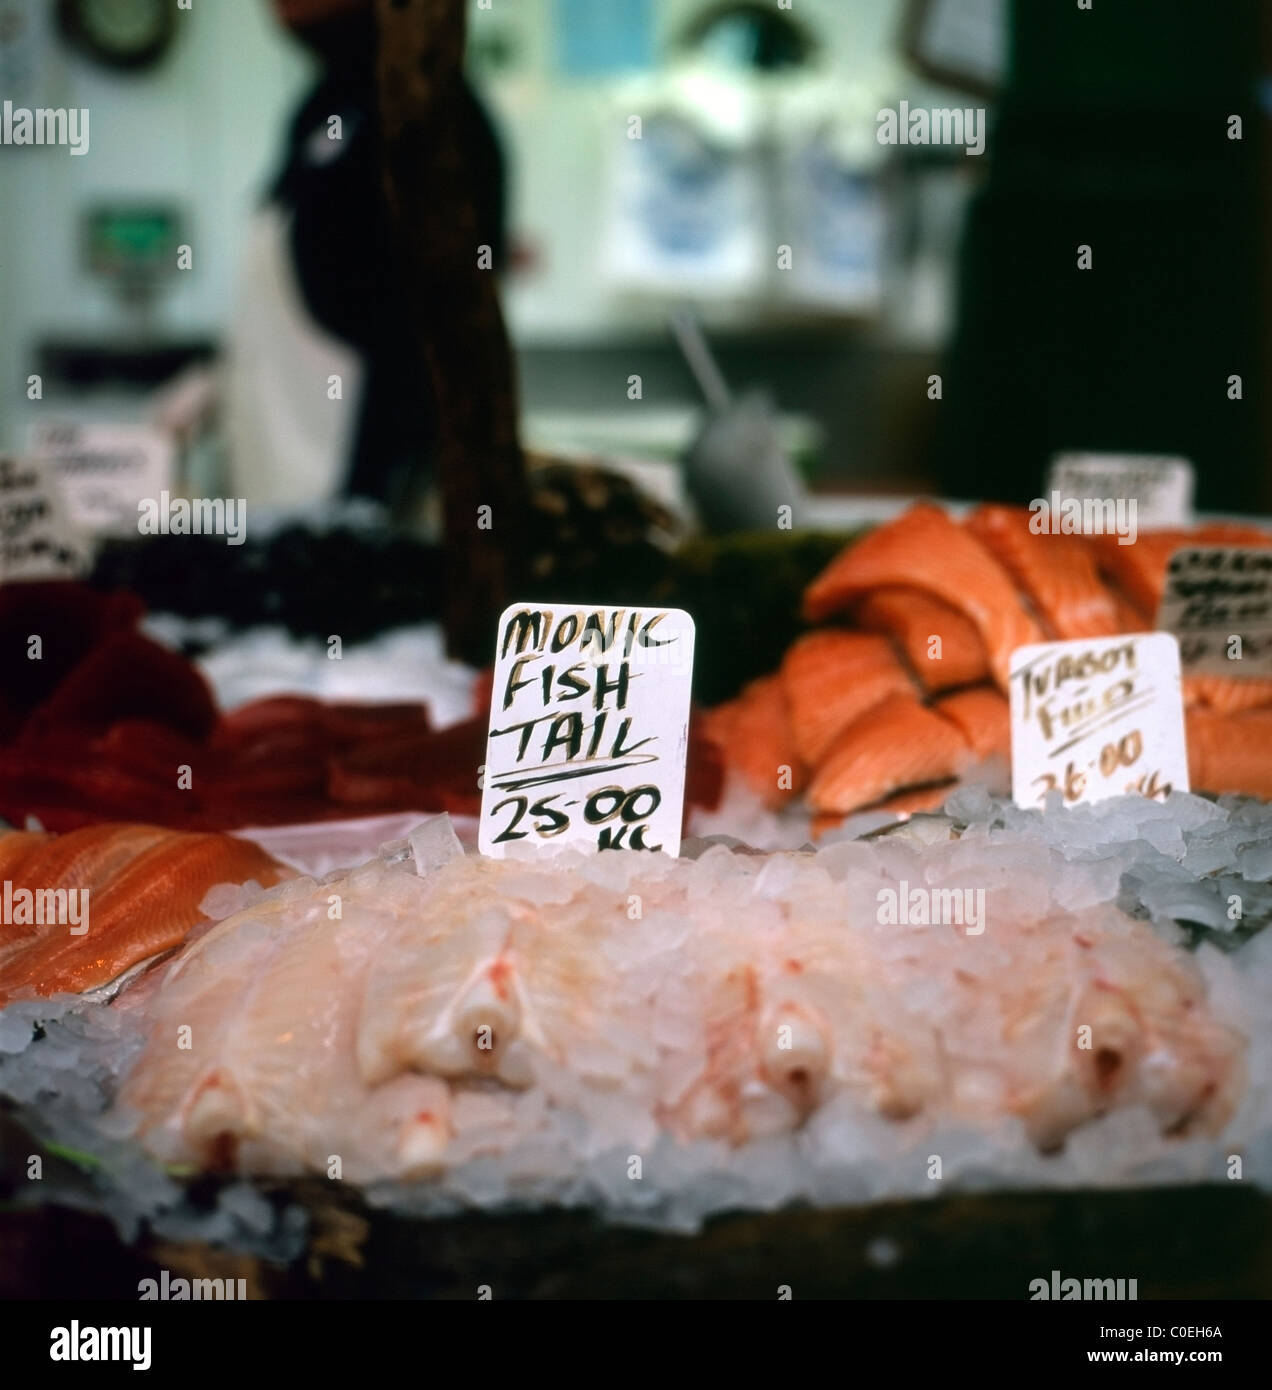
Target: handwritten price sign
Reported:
point(37, 539)
point(104, 470)
point(1218, 603)
point(1099, 718)
point(589, 729)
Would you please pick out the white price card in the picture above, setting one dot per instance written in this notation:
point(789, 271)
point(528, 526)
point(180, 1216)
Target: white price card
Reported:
point(37, 538)
point(1161, 487)
point(1097, 718)
point(1218, 603)
point(589, 729)
point(105, 470)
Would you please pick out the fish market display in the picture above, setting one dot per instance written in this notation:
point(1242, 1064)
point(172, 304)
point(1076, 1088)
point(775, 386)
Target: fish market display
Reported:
point(1039, 997)
point(894, 711)
point(407, 1021)
point(929, 551)
point(82, 909)
point(1006, 989)
point(306, 582)
point(109, 725)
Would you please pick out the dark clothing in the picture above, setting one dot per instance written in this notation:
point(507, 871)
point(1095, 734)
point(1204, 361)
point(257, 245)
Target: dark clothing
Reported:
point(1112, 133)
point(350, 272)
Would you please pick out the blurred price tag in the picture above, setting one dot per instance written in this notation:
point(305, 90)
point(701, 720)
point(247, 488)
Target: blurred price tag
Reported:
point(105, 470)
point(1098, 718)
point(589, 729)
point(1162, 486)
point(1218, 603)
point(37, 538)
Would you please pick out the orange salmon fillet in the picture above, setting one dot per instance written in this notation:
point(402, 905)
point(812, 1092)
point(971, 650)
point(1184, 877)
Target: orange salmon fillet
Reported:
point(16, 847)
point(753, 731)
point(1056, 572)
point(1230, 752)
point(896, 745)
point(912, 619)
point(1139, 570)
point(831, 678)
point(86, 858)
point(145, 885)
point(982, 715)
point(1227, 695)
point(926, 549)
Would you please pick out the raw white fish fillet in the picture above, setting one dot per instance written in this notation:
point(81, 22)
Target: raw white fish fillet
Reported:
point(404, 1024)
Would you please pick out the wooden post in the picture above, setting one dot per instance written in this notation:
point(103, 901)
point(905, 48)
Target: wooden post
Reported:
point(452, 293)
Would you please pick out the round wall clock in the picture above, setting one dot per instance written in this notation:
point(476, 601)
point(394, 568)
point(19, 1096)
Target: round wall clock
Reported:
point(119, 33)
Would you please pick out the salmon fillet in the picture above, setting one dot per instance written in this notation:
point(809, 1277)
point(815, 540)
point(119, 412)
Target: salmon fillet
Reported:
point(144, 884)
point(1230, 752)
point(86, 858)
point(754, 732)
point(1226, 695)
point(896, 745)
point(1139, 569)
point(913, 619)
point(982, 716)
point(926, 549)
point(1056, 572)
point(831, 678)
point(16, 847)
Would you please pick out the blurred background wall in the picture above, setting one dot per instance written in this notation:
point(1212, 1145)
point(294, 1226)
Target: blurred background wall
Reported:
point(200, 132)
point(847, 357)
point(197, 132)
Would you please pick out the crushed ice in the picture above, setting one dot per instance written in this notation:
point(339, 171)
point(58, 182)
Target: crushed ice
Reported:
point(1188, 860)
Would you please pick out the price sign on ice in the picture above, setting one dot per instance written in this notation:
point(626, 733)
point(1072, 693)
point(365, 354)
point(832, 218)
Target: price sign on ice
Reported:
point(589, 729)
point(1097, 718)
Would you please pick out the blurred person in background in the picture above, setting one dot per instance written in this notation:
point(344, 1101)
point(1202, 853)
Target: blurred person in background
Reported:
point(321, 292)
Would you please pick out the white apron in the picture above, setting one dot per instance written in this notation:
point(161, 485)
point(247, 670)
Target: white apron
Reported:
point(289, 442)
